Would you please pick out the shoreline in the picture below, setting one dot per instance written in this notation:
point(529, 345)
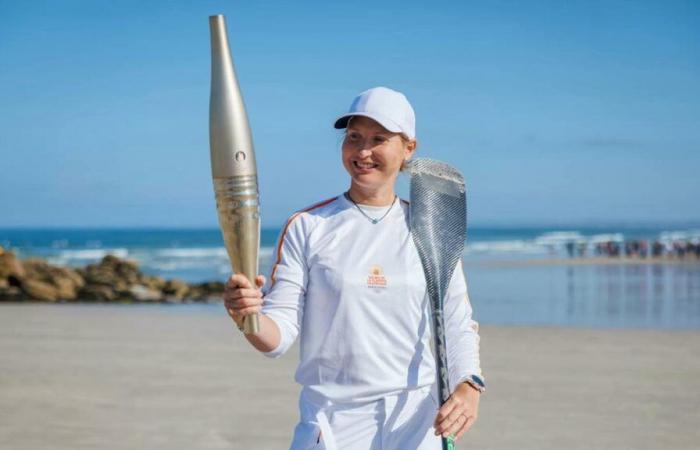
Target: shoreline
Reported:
point(598, 260)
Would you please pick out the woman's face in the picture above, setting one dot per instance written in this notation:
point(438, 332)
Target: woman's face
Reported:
point(372, 155)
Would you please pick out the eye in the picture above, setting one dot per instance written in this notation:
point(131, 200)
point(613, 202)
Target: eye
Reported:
point(379, 139)
point(352, 136)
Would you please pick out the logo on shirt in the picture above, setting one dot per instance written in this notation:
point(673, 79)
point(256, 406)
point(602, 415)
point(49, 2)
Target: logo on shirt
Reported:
point(376, 278)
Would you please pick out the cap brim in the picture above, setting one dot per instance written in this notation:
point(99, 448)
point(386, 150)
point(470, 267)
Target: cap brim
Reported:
point(390, 125)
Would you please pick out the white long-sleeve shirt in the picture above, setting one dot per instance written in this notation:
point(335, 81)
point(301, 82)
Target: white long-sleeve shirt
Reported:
point(356, 292)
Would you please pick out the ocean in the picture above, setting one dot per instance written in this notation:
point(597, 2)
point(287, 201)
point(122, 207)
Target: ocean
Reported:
point(652, 295)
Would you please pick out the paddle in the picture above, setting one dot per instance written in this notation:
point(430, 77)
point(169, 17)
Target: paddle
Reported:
point(438, 218)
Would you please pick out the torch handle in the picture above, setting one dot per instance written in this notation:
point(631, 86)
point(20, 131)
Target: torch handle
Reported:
point(251, 324)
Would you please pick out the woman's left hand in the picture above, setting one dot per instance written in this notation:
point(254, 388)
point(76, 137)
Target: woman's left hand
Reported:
point(458, 413)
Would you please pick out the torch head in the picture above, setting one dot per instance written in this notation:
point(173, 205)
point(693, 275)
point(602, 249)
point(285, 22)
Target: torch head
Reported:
point(230, 139)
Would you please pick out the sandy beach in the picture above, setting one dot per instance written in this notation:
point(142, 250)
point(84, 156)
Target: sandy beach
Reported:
point(181, 377)
point(587, 261)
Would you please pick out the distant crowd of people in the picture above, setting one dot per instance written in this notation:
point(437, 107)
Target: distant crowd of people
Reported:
point(677, 249)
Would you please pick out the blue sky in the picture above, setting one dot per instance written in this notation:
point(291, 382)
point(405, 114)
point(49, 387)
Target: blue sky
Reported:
point(556, 112)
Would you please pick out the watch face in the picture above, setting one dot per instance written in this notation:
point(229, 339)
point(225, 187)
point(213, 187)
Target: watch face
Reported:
point(478, 380)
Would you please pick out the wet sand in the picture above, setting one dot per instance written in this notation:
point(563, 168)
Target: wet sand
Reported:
point(583, 261)
point(174, 377)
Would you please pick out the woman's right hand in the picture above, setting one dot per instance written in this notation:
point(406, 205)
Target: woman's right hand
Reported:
point(241, 298)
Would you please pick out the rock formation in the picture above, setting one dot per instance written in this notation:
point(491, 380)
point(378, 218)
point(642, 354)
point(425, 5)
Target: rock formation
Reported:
point(110, 280)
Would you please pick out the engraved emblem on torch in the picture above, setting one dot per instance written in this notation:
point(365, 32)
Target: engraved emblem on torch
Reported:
point(233, 167)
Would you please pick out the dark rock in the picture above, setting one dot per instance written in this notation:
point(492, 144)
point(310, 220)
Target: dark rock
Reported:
point(40, 290)
point(176, 288)
point(112, 271)
point(195, 293)
point(212, 287)
point(97, 292)
point(66, 281)
point(10, 266)
point(111, 279)
point(152, 282)
point(211, 291)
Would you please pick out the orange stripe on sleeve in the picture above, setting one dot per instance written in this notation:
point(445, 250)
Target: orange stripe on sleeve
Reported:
point(286, 228)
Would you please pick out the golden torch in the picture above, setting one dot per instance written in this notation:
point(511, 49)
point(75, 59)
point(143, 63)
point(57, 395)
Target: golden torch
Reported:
point(233, 166)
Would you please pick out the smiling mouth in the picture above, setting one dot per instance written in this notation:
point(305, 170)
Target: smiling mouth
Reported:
point(360, 165)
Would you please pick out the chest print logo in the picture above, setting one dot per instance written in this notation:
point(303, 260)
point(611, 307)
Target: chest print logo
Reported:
point(376, 278)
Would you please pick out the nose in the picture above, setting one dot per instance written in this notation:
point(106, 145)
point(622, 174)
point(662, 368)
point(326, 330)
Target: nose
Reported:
point(360, 147)
point(364, 148)
point(364, 152)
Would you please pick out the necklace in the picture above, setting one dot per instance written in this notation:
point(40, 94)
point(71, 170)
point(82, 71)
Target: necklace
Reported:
point(372, 219)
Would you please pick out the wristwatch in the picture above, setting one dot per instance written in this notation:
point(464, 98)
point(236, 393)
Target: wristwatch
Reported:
point(476, 382)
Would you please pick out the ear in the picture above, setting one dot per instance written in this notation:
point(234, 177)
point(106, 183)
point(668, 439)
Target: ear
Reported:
point(411, 147)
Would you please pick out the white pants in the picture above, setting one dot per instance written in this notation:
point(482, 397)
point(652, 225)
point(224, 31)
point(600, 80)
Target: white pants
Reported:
point(395, 422)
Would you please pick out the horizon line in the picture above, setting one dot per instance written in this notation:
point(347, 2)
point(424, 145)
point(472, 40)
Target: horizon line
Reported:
point(485, 224)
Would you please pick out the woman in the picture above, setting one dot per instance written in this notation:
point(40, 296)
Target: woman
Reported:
point(348, 279)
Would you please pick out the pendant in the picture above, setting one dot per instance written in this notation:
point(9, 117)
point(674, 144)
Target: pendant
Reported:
point(374, 221)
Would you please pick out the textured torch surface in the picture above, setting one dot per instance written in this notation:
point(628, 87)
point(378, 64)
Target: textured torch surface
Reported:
point(438, 225)
point(239, 217)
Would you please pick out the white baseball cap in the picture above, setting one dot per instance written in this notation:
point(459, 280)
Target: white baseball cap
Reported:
point(387, 107)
